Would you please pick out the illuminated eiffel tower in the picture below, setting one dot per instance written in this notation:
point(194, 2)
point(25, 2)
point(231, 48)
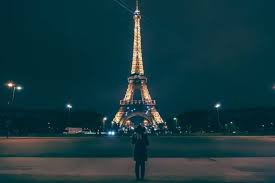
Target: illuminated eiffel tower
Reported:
point(137, 101)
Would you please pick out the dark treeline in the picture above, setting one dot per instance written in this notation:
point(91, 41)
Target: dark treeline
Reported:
point(27, 122)
point(242, 120)
point(24, 122)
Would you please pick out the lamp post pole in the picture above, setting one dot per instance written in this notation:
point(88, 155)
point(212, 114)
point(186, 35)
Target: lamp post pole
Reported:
point(176, 121)
point(218, 106)
point(14, 87)
point(69, 107)
point(104, 123)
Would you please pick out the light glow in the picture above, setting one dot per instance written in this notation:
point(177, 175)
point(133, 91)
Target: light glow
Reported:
point(10, 85)
point(69, 106)
point(19, 88)
point(218, 105)
point(112, 133)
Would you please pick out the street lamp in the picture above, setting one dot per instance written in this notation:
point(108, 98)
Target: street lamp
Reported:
point(19, 88)
point(218, 106)
point(10, 85)
point(69, 107)
point(104, 122)
point(14, 88)
point(176, 121)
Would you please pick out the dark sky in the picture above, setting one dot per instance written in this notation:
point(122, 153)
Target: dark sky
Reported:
point(196, 52)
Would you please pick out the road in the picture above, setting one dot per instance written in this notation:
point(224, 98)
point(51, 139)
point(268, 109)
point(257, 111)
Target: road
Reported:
point(120, 147)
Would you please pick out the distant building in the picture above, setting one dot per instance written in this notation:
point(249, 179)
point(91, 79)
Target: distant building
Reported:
point(71, 130)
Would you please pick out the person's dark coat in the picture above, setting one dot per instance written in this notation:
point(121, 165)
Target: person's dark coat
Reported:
point(140, 140)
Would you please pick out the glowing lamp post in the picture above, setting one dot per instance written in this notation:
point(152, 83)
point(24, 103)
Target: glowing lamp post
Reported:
point(14, 87)
point(218, 106)
point(19, 88)
point(69, 107)
point(176, 121)
point(104, 122)
point(10, 85)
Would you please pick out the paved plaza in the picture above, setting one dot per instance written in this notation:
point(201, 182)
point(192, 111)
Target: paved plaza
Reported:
point(194, 147)
point(73, 160)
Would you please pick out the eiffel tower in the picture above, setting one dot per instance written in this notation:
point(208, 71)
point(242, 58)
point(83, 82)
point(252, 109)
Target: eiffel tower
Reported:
point(137, 101)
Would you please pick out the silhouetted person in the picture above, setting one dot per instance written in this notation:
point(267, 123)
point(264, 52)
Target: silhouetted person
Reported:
point(140, 140)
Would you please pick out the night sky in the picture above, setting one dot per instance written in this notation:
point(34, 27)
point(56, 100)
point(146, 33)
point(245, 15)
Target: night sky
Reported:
point(196, 53)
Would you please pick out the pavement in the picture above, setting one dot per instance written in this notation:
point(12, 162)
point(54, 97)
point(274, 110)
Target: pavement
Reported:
point(221, 159)
point(190, 170)
point(193, 147)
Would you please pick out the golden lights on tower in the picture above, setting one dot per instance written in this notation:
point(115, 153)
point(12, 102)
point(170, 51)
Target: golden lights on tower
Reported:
point(137, 93)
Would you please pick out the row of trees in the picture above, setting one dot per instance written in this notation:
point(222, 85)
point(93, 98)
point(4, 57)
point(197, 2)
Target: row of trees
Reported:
point(25, 122)
point(245, 120)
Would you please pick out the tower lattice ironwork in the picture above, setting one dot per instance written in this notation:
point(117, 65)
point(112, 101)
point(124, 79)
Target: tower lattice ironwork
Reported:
point(137, 100)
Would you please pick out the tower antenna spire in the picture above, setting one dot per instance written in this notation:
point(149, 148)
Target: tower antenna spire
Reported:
point(137, 7)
